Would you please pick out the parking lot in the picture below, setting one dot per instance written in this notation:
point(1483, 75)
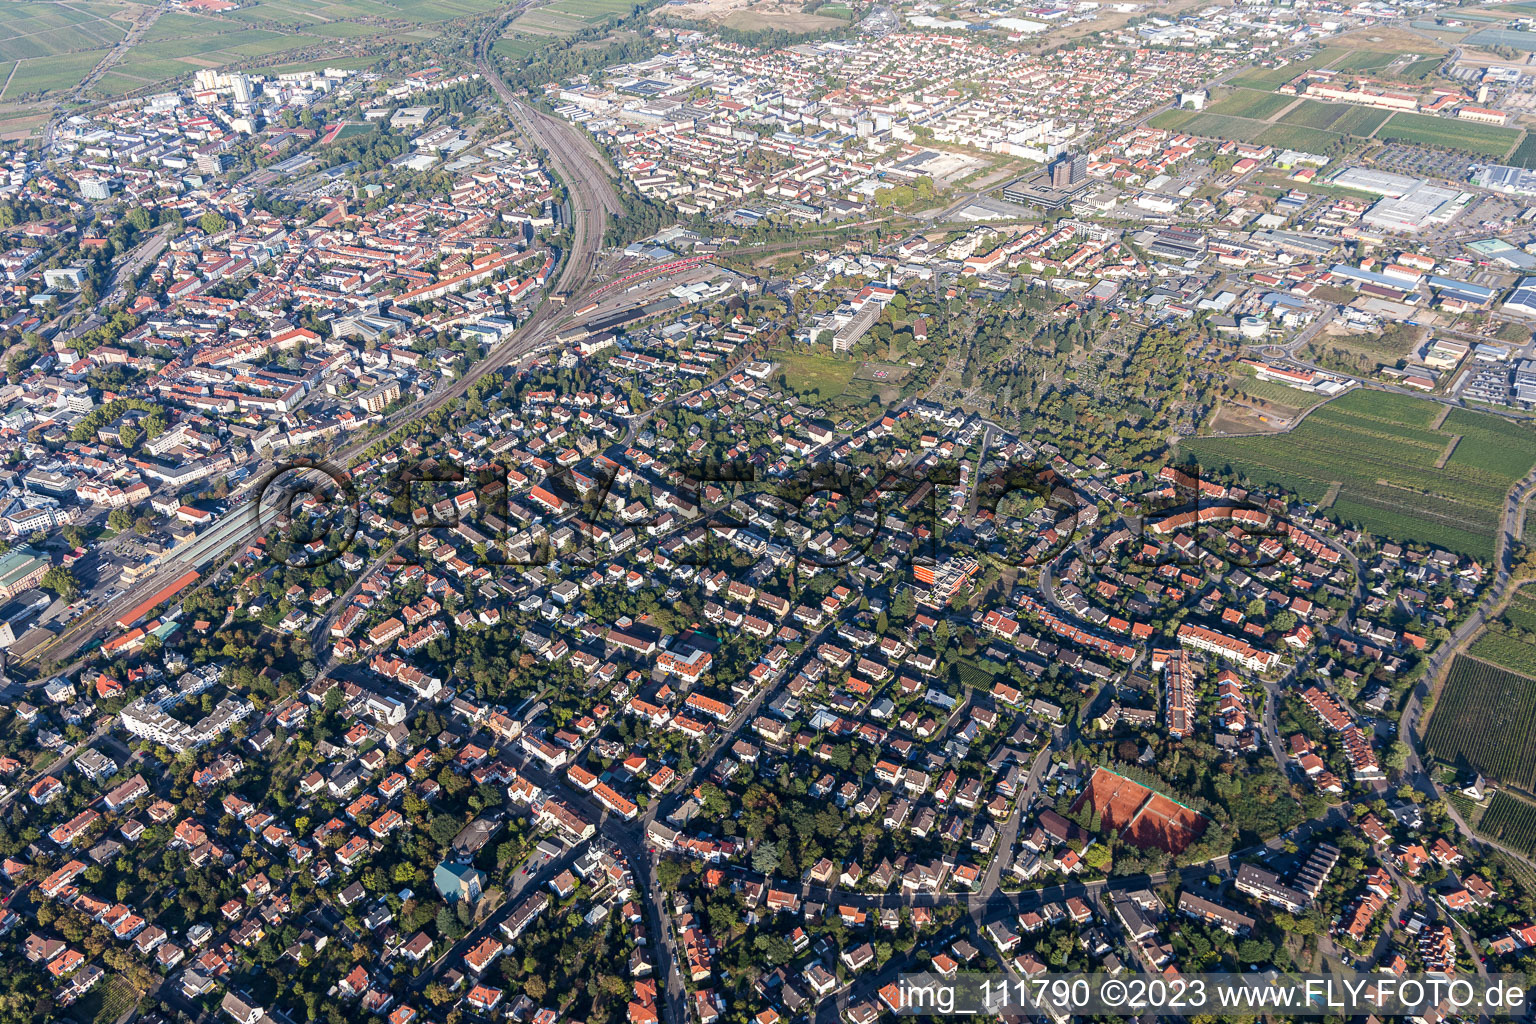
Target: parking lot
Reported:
point(1424, 163)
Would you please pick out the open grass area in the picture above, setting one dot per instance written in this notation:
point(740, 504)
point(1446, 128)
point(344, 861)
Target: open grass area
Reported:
point(1424, 129)
point(1485, 718)
point(1269, 78)
point(1382, 451)
point(815, 377)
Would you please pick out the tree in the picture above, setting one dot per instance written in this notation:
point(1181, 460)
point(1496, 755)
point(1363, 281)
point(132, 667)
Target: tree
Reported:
point(448, 925)
point(766, 857)
point(212, 223)
point(443, 828)
point(120, 519)
point(62, 582)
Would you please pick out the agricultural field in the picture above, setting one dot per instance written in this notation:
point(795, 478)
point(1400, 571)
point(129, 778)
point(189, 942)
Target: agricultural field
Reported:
point(1522, 41)
point(1244, 129)
point(1525, 153)
point(1277, 396)
point(534, 28)
point(1426, 130)
point(48, 29)
point(180, 43)
point(1381, 450)
point(1251, 103)
point(1510, 821)
point(1485, 719)
point(1339, 118)
point(37, 76)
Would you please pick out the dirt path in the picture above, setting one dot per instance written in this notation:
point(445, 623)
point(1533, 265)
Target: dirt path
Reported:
point(1277, 115)
point(1441, 418)
point(1450, 447)
point(1332, 495)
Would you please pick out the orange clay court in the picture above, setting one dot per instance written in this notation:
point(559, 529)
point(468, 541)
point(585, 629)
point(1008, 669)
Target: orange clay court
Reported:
point(1143, 817)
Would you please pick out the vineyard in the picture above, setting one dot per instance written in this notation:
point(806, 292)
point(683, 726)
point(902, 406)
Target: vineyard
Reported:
point(1511, 821)
point(1521, 610)
point(1382, 451)
point(1486, 718)
point(1505, 650)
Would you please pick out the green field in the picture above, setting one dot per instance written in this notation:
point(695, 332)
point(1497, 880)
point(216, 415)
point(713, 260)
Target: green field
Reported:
point(593, 11)
point(1339, 118)
point(1364, 60)
point(1380, 449)
point(1510, 821)
point(805, 372)
point(1485, 718)
point(1426, 130)
point(1251, 103)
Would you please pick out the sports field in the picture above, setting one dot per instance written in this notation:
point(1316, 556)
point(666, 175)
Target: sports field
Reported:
point(1145, 818)
point(1485, 718)
point(1382, 452)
